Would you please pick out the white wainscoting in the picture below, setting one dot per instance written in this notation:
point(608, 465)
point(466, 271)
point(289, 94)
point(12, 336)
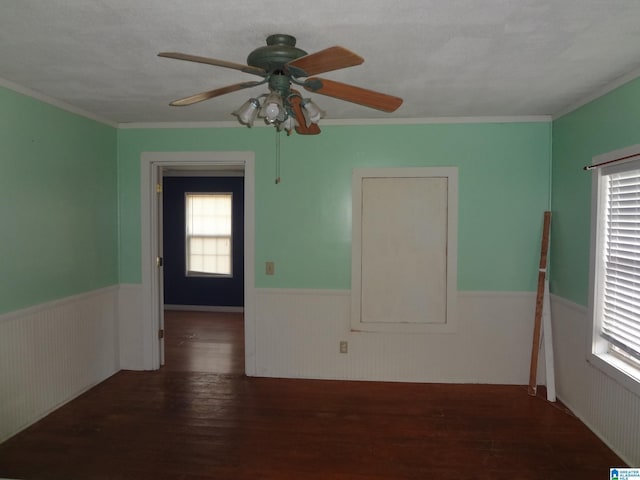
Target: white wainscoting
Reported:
point(51, 353)
point(298, 334)
point(609, 409)
point(131, 328)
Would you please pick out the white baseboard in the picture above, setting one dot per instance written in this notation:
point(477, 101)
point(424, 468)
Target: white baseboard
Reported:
point(204, 308)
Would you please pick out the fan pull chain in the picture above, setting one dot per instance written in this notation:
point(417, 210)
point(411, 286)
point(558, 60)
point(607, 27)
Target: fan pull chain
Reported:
point(277, 157)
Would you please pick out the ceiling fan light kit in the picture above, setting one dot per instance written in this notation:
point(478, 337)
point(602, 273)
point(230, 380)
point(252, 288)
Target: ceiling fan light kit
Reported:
point(281, 65)
point(272, 108)
point(248, 112)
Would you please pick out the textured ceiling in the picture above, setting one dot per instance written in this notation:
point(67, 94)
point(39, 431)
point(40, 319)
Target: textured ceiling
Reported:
point(444, 57)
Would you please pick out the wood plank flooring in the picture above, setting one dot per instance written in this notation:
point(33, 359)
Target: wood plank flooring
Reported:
point(204, 342)
point(189, 421)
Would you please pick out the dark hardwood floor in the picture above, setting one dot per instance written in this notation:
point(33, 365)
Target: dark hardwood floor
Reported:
point(200, 418)
point(204, 342)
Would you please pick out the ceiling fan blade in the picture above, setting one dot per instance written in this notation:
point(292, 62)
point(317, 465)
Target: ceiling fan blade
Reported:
point(199, 97)
point(214, 61)
point(351, 93)
point(332, 58)
point(302, 127)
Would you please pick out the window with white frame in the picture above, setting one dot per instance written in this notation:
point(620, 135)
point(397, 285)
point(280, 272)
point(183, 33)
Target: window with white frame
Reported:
point(616, 270)
point(208, 233)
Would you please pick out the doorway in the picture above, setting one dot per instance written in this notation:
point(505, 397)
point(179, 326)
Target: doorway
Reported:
point(203, 271)
point(153, 165)
point(203, 241)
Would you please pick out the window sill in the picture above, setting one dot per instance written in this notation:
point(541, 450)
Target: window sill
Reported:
point(208, 275)
point(625, 374)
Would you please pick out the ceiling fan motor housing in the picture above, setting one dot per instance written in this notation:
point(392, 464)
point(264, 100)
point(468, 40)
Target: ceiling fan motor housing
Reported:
point(280, 50)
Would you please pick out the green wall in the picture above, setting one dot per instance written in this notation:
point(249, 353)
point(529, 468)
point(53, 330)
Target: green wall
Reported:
point(608, 123)
point(58, 213)
point(62, 176)
point(304, 223)
point(71, 185)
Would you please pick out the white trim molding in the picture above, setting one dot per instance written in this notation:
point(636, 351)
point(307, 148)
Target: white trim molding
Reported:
point(354, 121)
point(55, 102)
point(601, 92)
point(203, 308)
point(436, 295)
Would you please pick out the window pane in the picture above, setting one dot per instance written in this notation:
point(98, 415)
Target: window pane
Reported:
point(208, 230)
point(210, 255)
point(208, 214)
point(224, 263)
point(196, 263)
point(620, 307)
point(197, 245)
point(210, 263)
point(216, 246)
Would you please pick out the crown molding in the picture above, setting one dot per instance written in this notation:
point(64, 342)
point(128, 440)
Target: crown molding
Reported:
point(351, 122)
point(624, 79)
point(155, 125)
point(54, 102)
point(233, 124)
point(441, 120)
point(618, 82)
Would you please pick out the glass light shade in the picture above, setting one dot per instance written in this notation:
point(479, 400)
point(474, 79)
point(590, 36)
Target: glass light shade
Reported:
point(282, 115)
point(313, 112)
point(288, 124)
point(248, 111)
point(272, 107)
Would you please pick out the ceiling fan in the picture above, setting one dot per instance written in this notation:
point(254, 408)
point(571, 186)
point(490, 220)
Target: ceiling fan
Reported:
point(282, 66)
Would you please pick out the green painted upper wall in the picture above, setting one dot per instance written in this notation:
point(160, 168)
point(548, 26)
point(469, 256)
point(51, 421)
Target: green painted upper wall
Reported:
point(608, 123)
point(62, 176)
point(304, 223)
point(59, 203)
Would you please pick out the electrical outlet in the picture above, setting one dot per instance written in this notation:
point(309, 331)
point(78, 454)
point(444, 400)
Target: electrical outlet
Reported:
point(344, 347)
point(269, 268)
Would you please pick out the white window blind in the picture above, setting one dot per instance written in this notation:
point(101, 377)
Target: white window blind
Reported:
point(620, 306)
point(208, 233)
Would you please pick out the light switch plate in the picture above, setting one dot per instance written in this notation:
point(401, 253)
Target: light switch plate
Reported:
point(269, 268)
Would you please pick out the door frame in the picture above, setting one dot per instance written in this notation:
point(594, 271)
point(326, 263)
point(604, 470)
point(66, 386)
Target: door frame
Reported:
point(151, 166)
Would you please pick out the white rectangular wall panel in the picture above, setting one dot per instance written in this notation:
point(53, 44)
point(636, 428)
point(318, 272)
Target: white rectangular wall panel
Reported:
point(404, 250)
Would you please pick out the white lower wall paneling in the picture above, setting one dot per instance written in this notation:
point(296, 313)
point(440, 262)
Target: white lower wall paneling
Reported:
point(298, 333)
point(604, 405)
point(131, 327)
point(51, 353)
point(137, 333)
